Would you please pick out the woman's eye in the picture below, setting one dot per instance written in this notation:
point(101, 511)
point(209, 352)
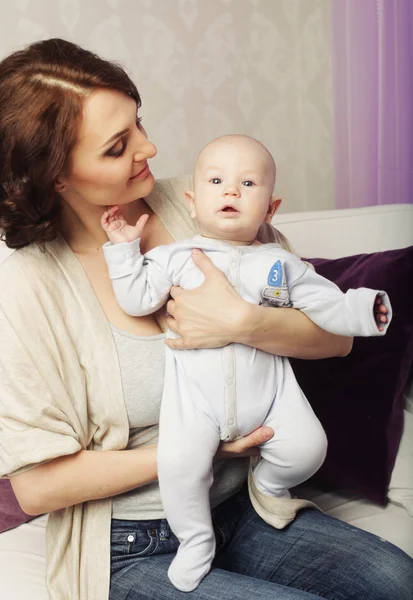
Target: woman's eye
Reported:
point(117, 150)
point(216, 181)
point(248, 183)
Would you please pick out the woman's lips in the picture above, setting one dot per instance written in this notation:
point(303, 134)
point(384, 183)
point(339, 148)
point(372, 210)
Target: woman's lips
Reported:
point(142, 174)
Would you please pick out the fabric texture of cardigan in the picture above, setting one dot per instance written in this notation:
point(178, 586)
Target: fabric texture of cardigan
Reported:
point(60, 387)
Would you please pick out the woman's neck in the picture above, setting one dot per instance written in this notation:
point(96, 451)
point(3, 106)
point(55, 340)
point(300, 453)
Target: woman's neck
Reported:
point(81, 228)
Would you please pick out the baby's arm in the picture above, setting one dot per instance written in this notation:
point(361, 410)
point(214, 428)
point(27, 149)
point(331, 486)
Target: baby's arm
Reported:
point(358, 312)
point(141, 283)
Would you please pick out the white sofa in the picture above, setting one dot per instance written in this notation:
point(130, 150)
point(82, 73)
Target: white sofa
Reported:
point(332, 234)
point(328, 234)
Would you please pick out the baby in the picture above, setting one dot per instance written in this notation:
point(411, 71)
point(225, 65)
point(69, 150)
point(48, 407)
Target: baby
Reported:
point(221, 394)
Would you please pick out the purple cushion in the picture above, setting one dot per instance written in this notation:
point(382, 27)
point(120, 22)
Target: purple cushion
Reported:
point(359, 398)
point(11, 514)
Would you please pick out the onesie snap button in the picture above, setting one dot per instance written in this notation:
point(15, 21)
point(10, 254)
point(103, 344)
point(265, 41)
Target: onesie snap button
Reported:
point(131, 538)
point(233, 263)
point(230, 381)
point(230, 421)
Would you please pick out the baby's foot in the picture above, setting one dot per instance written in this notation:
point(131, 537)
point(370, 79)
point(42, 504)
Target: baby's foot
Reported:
point(191, 564)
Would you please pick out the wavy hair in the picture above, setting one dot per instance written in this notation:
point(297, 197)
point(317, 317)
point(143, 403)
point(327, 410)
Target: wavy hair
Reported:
point(42, 90)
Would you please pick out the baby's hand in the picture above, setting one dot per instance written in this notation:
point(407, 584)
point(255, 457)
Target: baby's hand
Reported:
point(118, 229)
point(380, 312)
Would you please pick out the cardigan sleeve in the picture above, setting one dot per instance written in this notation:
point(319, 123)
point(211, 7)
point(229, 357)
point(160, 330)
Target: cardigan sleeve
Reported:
point(34, 426)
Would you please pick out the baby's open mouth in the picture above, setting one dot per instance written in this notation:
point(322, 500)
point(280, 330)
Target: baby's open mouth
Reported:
point(229, 209)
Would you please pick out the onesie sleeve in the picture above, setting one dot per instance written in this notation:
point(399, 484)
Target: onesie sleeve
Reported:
point(350, 314)
point(141, 282)
point(36, 420)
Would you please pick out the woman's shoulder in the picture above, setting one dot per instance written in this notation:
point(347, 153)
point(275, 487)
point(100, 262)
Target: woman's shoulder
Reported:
point(29, 268)
point(15, 263)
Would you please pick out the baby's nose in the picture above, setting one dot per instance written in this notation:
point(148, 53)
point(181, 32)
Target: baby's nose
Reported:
point(231, 190)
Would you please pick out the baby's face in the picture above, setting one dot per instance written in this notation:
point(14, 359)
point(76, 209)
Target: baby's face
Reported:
point(233, 186)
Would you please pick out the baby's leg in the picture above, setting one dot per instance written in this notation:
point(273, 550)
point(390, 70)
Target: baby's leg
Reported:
point(187, 445)
point(299, 445)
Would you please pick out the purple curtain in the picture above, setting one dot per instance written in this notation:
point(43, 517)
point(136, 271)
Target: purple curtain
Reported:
point(372, 69)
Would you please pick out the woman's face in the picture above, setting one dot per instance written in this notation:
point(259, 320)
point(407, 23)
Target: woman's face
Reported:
point(109, 163)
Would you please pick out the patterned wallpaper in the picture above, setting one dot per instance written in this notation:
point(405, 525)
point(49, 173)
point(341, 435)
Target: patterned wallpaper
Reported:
point(209, 67)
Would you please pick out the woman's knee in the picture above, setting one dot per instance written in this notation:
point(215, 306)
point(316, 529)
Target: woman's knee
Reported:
point(374, 568)
point(393, 575)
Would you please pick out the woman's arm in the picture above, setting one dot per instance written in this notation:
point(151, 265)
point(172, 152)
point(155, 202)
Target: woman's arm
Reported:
point(92, 475)
point(86, 475)
point(197, 315)
point(289, 332)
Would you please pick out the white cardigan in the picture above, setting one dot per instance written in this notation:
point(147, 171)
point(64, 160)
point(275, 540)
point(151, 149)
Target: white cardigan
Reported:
point(61, 391)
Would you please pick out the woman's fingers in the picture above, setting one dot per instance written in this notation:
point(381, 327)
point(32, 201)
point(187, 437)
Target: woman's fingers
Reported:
point(257, 437)
point(208, 316)
point(180, 343)
point(204, 263)
point(172, 324)
point(175, 291)
point(171, 305)
point(246, 446)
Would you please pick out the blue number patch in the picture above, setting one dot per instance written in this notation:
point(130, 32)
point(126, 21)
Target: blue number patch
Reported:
point(275, 276)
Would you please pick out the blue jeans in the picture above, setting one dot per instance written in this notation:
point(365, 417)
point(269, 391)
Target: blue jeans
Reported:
point(316, 556)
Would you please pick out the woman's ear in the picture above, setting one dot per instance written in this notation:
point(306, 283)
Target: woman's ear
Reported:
point(190, 200)
point(60, 186)
point(273, 206)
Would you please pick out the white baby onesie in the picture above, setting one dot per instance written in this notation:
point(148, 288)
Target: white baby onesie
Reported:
point(224, 393)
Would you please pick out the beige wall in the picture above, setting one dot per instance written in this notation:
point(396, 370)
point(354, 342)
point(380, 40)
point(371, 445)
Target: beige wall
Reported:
point(208, 67)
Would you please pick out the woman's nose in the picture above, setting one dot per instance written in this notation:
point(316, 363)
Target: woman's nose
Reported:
point(145, 149)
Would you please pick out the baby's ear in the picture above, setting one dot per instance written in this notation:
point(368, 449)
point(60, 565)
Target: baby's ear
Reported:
point(273, 206)
point(190, 200)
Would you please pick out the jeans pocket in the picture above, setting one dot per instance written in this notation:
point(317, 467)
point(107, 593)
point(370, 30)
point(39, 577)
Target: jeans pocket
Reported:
point(133, 542)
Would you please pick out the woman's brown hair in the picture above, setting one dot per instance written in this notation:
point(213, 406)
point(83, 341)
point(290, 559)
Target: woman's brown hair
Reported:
point(42, 89)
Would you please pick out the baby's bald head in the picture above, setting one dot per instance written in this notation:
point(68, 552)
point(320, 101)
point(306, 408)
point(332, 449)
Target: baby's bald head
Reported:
point(247, 148)
point(233, 189)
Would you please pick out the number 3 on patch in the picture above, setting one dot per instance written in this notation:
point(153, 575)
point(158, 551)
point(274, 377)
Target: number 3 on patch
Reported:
point(275, 275)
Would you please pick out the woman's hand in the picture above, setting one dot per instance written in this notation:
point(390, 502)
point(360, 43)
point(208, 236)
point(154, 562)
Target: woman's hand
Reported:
point(209, 316)
point(246, 446)
point(214, 315)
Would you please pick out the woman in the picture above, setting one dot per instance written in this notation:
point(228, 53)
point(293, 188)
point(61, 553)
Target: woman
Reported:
point(81, 381)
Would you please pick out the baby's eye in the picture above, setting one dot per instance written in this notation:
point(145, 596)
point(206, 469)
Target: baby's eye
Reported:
point(248, 183)
point(215, 181)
